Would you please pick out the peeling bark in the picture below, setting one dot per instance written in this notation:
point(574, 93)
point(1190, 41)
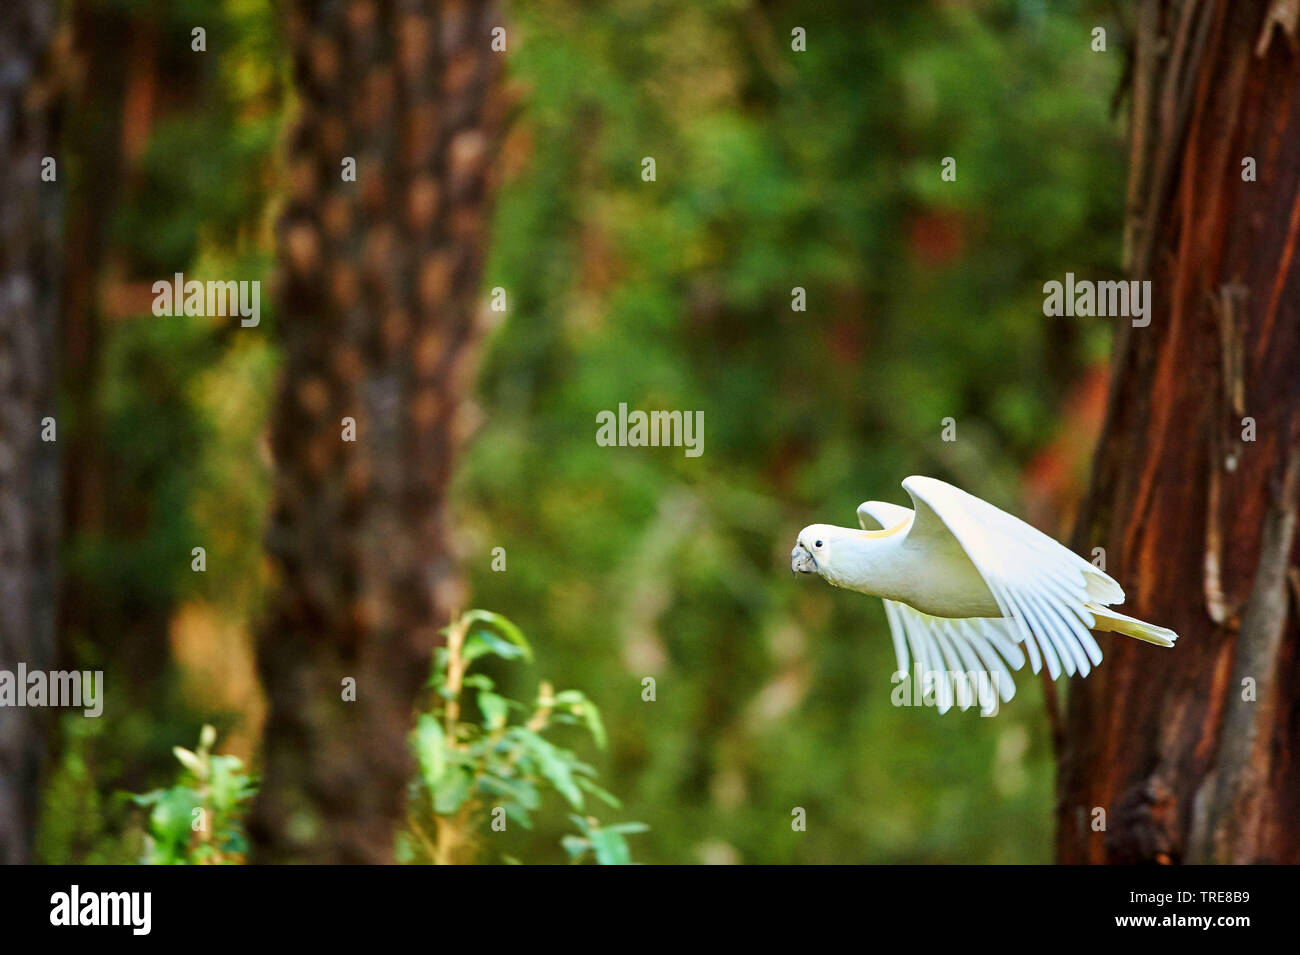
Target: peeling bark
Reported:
point(1196, 518)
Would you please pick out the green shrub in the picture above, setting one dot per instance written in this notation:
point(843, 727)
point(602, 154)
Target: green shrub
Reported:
point(477, 773)
point(199, 821)
point(474, 774)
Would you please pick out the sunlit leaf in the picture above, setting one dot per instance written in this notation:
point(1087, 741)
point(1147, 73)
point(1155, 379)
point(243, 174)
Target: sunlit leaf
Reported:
point(610, 847)
point(575, 846)
point(189, 760)
point(494, 709)
point(505, 626)
point(452, 790)
point(430, 750)
point(484, 642)
point(602, 794)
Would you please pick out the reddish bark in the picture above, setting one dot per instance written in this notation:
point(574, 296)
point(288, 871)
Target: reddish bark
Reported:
point(1198, 523)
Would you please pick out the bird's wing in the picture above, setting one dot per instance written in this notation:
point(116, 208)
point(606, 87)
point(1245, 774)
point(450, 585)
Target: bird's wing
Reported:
point(1042, 587)
point(885, 515)
point(949, 653)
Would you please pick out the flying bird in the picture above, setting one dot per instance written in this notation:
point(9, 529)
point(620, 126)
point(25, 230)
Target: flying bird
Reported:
point(967, 585)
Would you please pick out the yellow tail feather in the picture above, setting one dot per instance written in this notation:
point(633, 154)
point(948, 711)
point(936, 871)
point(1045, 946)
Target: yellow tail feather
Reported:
point(1116, 622)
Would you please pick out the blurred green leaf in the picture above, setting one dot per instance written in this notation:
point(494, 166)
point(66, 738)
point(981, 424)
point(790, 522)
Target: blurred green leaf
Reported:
point(511, 632)
point(429, 750)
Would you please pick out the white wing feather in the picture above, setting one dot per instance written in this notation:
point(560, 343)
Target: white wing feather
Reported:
point(948, 651)
point(882, 514)
point(1042, 587)
point(983, 646)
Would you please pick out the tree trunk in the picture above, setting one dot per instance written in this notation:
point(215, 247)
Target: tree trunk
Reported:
point(379, 313)
point(93, 138)
point(29, 280)
point(1192, 753)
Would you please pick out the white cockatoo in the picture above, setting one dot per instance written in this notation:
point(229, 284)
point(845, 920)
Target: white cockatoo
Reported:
point(967, 585)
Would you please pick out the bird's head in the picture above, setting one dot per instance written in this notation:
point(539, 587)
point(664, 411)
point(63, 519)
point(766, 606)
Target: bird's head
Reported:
point(812, 549)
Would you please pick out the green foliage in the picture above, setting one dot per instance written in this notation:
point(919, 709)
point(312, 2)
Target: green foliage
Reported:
point(198, 821)
point(480, 773)
point(605, 843)
point(169, 440)
point(779, 169)
point(775, 169)
point(475, 773)
point(79, 821)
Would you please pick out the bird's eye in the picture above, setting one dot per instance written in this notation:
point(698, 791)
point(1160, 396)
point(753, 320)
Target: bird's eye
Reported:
point(818, 544)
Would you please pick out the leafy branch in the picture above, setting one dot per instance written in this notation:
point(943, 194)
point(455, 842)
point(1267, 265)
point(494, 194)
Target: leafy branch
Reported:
point(199, 820)
point(478, 775)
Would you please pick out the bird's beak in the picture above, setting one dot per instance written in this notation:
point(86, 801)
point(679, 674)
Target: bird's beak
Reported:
point(802, 560)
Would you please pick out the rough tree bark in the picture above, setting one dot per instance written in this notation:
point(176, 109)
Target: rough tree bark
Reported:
point(29, 280)
point(379, 312)
point(1195, 483)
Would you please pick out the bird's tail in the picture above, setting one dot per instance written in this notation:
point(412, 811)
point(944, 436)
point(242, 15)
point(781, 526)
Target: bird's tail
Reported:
point(1116, 622)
